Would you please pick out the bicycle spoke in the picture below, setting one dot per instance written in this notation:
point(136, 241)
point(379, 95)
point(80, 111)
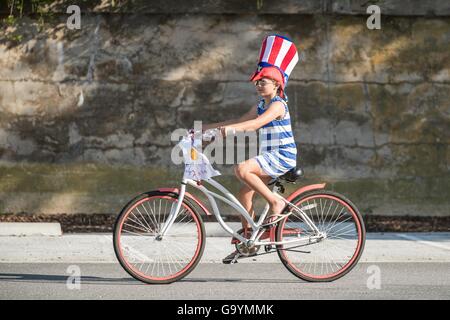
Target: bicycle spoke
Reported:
point(145, 221)
point(133, 226)
point(136, 220)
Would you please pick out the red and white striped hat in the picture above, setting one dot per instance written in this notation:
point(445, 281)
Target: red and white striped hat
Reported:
point(279, 52)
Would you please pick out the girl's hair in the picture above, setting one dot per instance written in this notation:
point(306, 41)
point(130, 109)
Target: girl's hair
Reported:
point(279, 86)
point(275, 82)
point(279, 90)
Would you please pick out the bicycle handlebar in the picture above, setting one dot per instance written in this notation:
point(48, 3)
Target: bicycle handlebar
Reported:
point(207, 135)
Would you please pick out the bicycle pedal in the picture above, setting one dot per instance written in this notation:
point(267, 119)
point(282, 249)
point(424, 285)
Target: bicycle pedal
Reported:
point(235, 259)
point(268, 248)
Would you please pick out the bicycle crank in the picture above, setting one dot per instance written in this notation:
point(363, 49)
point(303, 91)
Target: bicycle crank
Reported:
point(246, 251)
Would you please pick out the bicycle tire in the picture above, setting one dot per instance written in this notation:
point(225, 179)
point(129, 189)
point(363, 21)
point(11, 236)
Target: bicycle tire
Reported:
point(118, 226)
point(355, 257)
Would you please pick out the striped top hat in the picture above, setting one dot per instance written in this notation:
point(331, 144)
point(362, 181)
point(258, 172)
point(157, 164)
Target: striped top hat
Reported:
point(277, 53)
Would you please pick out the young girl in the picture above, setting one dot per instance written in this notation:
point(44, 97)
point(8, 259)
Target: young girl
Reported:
point(277, 153)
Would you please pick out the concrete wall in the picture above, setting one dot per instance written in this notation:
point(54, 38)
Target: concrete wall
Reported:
point(86, 115)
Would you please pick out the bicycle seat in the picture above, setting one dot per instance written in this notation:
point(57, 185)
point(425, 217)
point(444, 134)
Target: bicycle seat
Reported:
point(293, 175)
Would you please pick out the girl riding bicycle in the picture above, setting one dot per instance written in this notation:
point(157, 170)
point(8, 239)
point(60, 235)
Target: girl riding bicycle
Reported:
point(159, 235)
point(277, 152)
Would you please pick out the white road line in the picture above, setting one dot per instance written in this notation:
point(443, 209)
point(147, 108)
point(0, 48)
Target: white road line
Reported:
point(420, 240)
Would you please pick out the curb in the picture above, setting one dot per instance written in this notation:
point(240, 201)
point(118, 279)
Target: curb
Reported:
point(30, 229)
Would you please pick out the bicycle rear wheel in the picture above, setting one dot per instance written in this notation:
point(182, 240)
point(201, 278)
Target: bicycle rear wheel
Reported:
point(143, 253)
point(337, 253)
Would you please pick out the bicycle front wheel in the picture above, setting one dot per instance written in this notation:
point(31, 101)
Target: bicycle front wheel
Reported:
point(144, 253)
point(330, 257)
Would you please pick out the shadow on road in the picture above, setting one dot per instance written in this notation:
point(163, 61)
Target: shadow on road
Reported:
point(40, 278)
point(225, 280)
point(50, 278)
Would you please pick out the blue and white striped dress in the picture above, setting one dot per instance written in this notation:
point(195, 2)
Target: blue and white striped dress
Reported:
point(277, 148)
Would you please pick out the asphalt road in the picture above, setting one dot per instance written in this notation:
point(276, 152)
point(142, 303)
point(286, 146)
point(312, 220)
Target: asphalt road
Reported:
point(393, 266)
point(216, 281)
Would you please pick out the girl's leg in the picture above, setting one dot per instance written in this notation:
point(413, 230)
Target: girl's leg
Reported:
point(246, 195)
point(256, 179)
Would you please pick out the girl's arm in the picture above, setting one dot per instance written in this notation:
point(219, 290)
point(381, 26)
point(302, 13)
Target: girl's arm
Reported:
point(275, 110)
point(249, 115)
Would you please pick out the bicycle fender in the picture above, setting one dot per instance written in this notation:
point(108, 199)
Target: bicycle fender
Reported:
point(306, 189)
point(190, 196)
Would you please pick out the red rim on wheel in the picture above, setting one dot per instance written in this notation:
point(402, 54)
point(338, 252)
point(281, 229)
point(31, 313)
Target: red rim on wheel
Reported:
point(334, 255)
point(148, 256)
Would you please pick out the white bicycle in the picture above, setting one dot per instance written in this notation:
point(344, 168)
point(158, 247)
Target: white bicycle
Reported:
point(159, 236)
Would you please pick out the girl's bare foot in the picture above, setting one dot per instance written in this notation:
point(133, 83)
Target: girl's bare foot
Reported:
point(276, 215)
point(277, 207)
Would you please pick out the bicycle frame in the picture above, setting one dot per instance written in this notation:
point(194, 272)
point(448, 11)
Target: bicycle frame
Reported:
point(140, 240)
point(231, 200)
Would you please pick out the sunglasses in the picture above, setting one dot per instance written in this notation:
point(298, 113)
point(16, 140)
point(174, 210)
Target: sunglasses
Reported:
point(263, 83)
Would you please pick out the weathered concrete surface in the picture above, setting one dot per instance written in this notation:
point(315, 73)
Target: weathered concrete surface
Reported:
point(97, 188)
point(342, 7)
point(370, 107)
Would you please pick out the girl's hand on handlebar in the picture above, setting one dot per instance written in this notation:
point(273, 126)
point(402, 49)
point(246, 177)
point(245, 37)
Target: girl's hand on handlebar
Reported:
point(225, 130)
